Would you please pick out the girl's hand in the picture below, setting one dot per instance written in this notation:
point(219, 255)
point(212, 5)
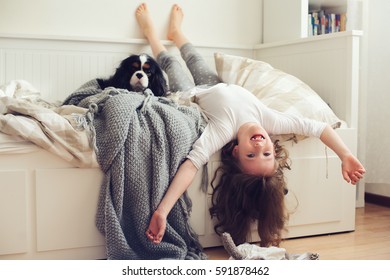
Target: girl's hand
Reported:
point(157, 226)
point(352, 169)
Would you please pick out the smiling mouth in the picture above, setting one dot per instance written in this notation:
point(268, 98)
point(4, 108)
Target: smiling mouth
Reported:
point(258, 137)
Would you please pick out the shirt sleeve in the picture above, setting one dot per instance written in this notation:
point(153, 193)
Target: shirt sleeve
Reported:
point(213, 138)
point(275, 122)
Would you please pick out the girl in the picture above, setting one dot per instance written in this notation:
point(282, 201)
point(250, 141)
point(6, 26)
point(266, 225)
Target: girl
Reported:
point(252, 185)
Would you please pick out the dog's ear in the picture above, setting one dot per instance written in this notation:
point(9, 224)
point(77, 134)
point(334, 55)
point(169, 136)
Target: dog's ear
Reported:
point(121, 77)
point(102, 83)
point(158, 83)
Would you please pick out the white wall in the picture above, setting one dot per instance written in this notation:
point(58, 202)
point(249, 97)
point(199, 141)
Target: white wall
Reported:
point(206, 22)
point(378, 98)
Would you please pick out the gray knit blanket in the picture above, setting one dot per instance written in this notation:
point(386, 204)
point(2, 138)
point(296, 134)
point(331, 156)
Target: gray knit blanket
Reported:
point(141, 140)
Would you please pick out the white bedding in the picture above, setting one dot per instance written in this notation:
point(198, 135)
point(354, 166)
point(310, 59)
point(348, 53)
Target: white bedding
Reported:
point(10, 144)
point(62, 130)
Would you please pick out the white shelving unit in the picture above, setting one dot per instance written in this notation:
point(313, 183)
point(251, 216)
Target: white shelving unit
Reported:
point(288, 19)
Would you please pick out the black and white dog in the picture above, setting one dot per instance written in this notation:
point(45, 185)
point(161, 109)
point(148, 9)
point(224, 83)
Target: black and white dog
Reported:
point(137, 73)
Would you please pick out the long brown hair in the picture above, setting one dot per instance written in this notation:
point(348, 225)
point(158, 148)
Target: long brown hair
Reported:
point(239, 199)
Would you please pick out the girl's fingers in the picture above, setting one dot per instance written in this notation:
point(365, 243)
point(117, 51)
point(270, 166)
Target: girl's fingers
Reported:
point(150, 235)
point(346, 176)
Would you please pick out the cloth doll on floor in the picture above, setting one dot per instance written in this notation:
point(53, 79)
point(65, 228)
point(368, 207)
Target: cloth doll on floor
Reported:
point(248, 251)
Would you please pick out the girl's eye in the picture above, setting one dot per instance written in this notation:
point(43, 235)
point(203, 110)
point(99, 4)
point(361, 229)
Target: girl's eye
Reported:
point(250, 155)
point(267, 154)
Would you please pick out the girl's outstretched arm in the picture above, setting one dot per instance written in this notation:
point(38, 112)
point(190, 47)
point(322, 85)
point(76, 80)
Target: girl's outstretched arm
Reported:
point(179, 185)
point(352, 169)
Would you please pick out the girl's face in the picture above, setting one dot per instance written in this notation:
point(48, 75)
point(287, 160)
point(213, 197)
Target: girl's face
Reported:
point(255, 150)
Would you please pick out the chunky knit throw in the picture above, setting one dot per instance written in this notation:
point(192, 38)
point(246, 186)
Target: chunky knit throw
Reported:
point(141, 140)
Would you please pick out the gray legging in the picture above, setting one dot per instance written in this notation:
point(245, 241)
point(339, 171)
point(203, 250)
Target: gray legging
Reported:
point(178, 78)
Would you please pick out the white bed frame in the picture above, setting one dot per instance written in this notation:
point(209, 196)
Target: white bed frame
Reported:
point(47, 206)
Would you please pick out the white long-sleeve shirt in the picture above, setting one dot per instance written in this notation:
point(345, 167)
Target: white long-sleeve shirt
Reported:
point(229, 106)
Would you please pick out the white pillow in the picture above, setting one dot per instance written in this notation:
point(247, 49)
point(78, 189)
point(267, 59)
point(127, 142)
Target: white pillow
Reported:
point(275, 88)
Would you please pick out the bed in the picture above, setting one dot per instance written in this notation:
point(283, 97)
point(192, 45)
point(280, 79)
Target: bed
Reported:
point(48, 205)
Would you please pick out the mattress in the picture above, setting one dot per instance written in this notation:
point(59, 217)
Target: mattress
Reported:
point(10, 144)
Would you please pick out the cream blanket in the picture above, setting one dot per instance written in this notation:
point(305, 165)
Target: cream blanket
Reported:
point(61, 130)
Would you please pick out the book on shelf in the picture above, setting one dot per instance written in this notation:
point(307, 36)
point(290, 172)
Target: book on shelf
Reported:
point(320, 22)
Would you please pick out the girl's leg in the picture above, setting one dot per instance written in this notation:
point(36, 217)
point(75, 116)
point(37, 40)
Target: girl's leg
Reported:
point(201, 72)
point(177, 78)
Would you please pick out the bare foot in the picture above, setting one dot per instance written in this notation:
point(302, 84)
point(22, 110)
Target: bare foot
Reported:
point(146, 25)
point(144, 20)
point(174, 29)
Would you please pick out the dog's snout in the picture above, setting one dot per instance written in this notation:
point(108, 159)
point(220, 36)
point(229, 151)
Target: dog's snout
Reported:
point(139, 75)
